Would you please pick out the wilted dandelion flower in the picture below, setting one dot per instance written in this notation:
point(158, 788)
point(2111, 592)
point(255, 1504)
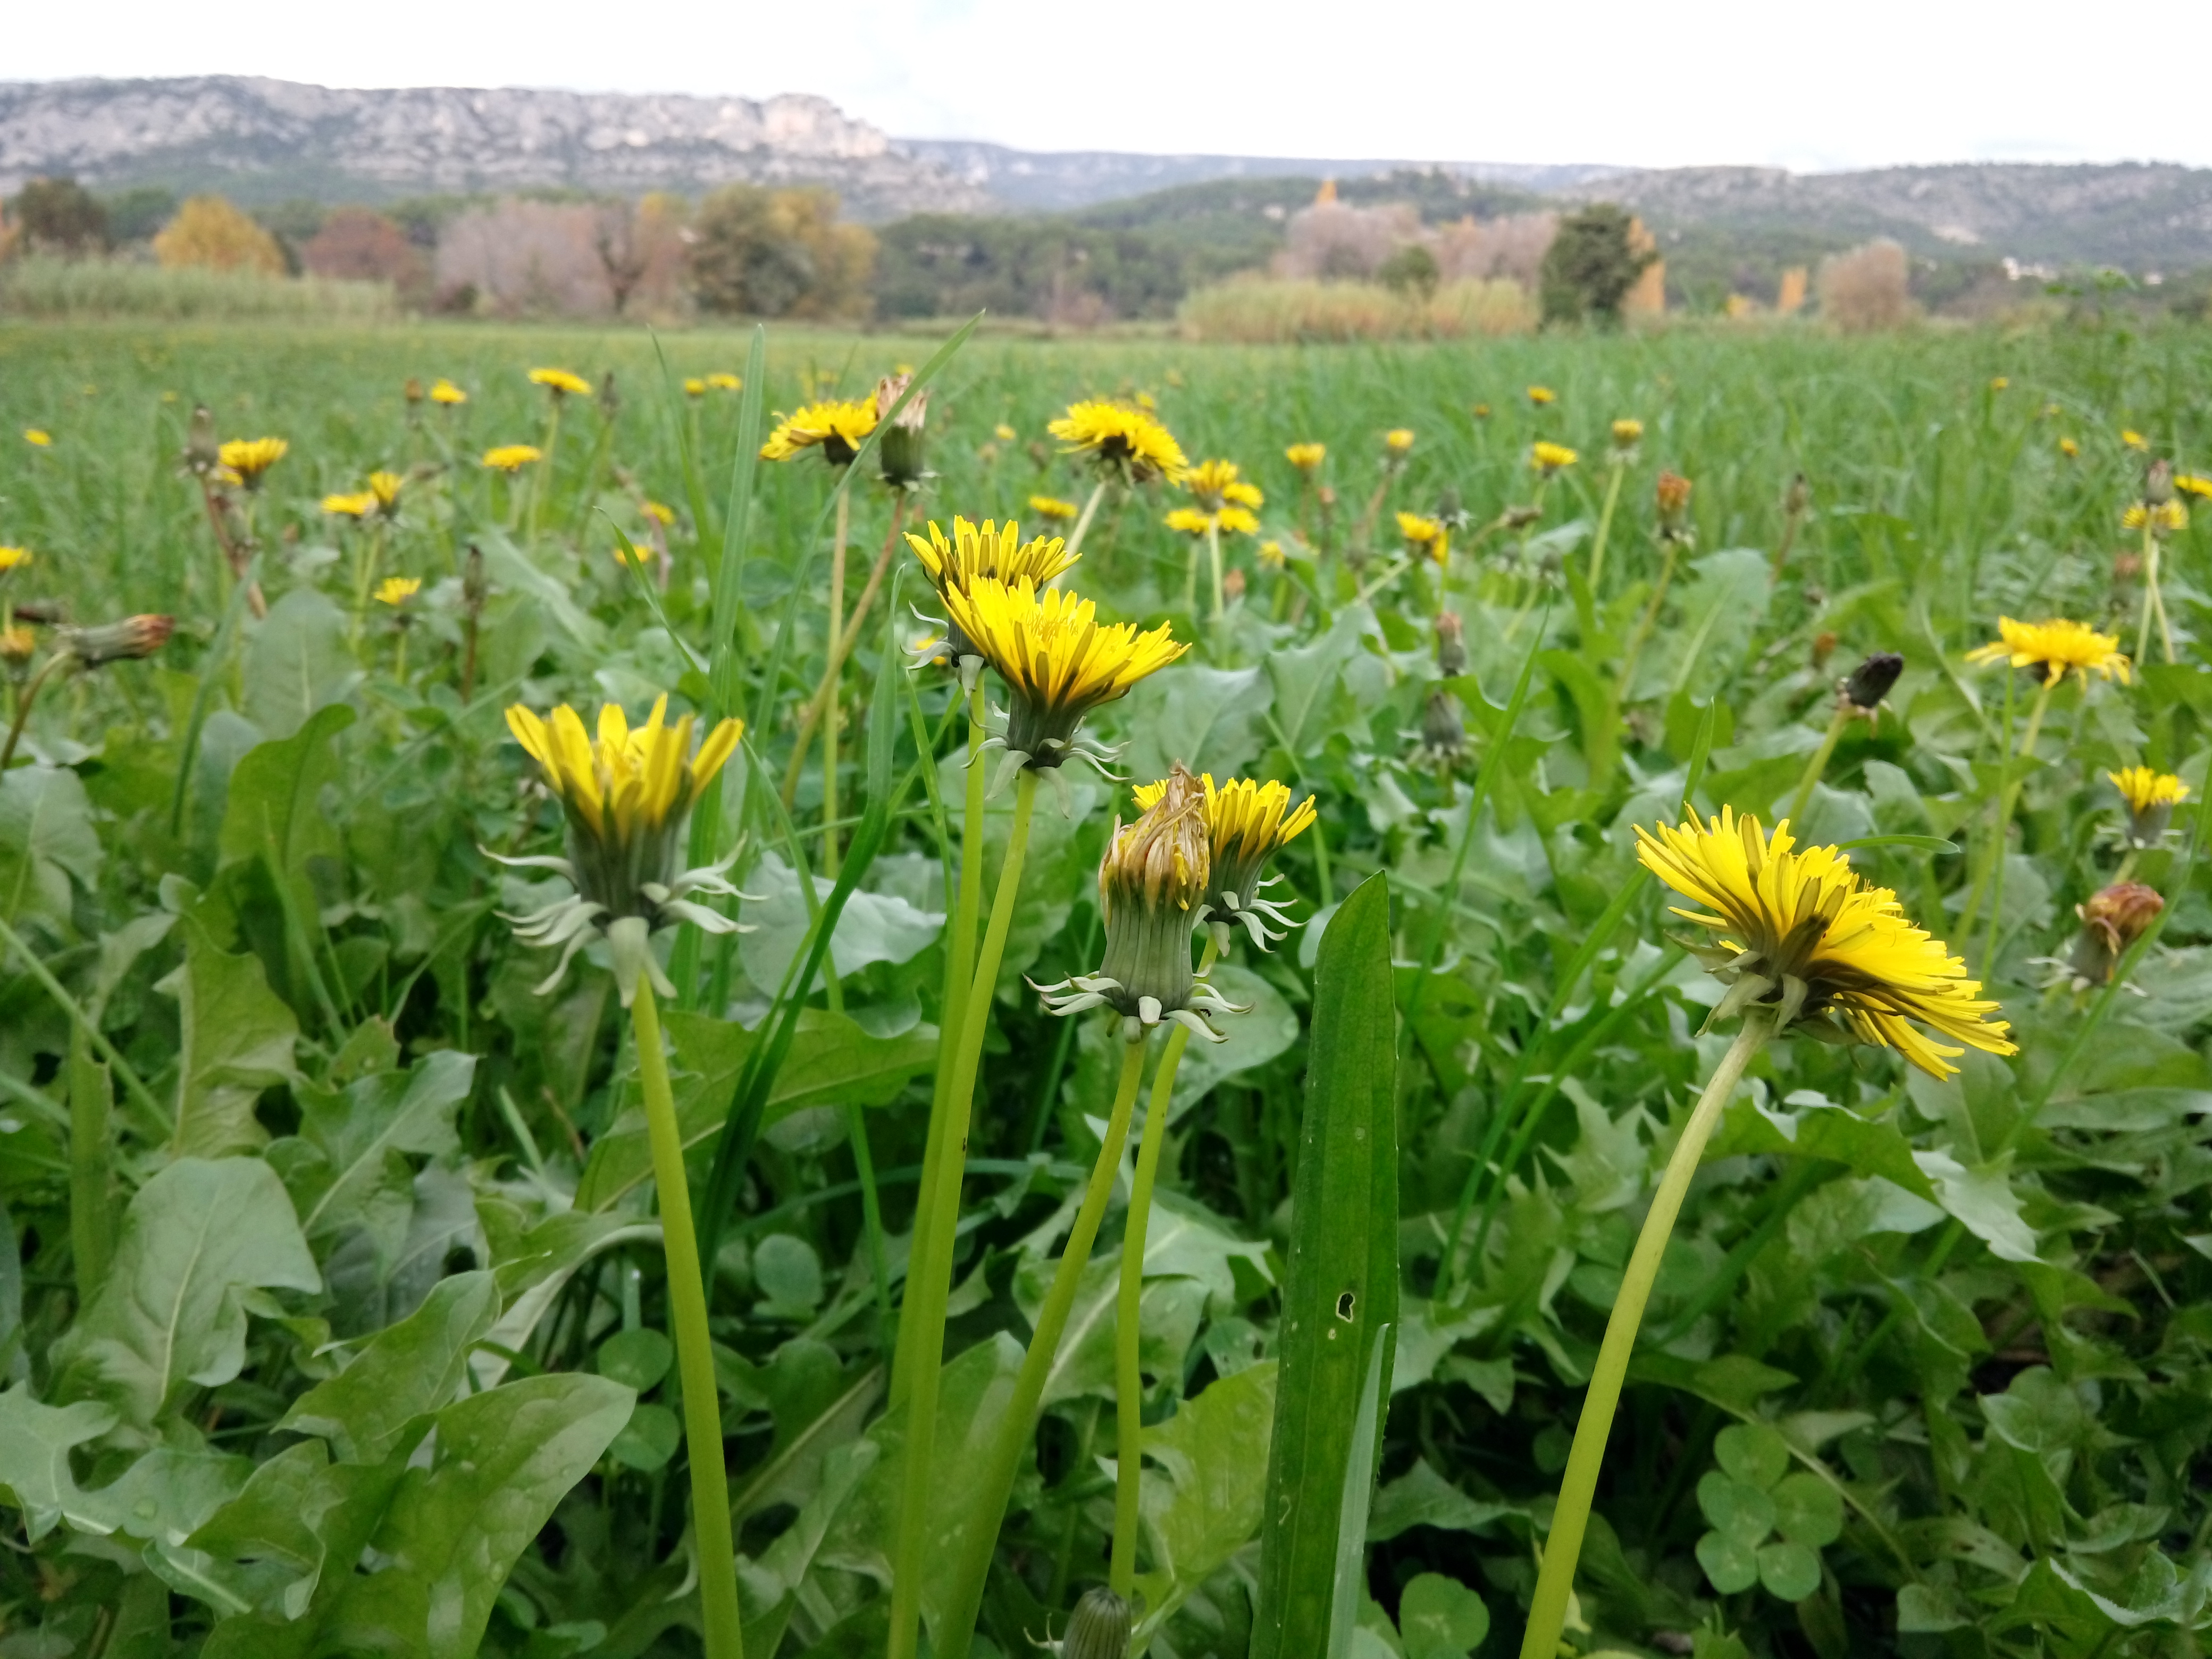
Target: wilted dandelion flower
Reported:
point(398, 590)
point(1451, 645)
point(1542, 395)
point(17, 643)
point(2151, 796)
point(1120, 440)
point(38, 439)
point(2133, 439)
point(1052, 508)
point(1549, 457)
point(837, 427)
point(1247, 824)
point(350, 507)
point(1801, 934)
point(2160, 518)
point(1307, 457)
point(249, 458)
point(2113, 919)
point(1059, 662)
point(625, 799)
point(443, 391)
point(2055, 649)
point(1152, 886)
point(510, 459)
point(561, 383)
point(723, 381)
point(385, 487)
point(994, 552)
point(899, 452)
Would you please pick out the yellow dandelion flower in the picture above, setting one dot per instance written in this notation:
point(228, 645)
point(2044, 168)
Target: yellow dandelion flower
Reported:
point(1419, 530)
point(560, 382)
point(1052, 508)
point(2142, 788)
point(2069, 449)
point(1999, 382)
point(12, 557)
point(625, 797)
point(1542, 395)
point(1398, 441)
point(398, 590)
point(443, 391)
point(1120, 440)
point(838, 428)
point(350, 507)
point(1004, 434)
point(660, 513)
point(2133, 439)
point(385, 487)
point(1059, 662)
point(1213, 483)
point(995, 553)
point(1272, 554)
point(2192, 484)
point(17, 645)
point(1189, 521)
point(1307, 456)
point(38, 439)
point(510, 459)
point(1802, 934)
point(2057, 648)
point(1146, 401)
point(1237, 521)
point(1627, 433)
point(2162, 518)
point(249, 458)
point(723, 381)
point(1549, 457)
point(693, 387)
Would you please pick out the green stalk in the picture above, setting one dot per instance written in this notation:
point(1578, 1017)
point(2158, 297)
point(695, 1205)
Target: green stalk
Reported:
point(1129, 1378)
point(694, 1355)
point(830, 708)
point(132, 1083)
point(1213, 553)
point(1605, 527)
point(92, 1213)
point(1547, 1613)
point(929, 1279)
point(1083, 524)
point(2150, 601)
point(959, 966)
point(996, 1480)
point(1818, 765)
point(541, 486)
point(1993, 865)
point(1645, 624)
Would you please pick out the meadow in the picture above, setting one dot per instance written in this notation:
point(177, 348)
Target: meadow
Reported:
point(376, 1292)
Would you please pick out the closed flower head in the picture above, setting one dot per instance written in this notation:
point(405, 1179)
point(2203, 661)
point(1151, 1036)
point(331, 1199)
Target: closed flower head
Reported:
point(1627, 433)
point(1059, 662)
point(385, 487)
point(1801, 935)
point(2114, 918)
point(1128, 442)
point(625, 797)
point(1542, 395)
point(1869, 682)
point(2151, 798)
point(561, 383)
point(1398, 442)
point(350, 507)
point(1425, 535)
point(116, 641)
point(2054, 649)
point(838, 428)
point(898, 452)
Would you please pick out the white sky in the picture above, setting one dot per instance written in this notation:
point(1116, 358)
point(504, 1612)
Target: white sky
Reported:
point(1653, 84)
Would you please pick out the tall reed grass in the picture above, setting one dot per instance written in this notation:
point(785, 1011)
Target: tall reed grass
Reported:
point(45, 289)
point(1254, 311)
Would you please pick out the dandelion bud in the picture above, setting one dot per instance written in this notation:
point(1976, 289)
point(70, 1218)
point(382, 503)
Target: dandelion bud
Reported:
point(1443, 731)
point(1326, 495)
point(1451, 645)
point(1627, 434)
point(474, 590)
point(1099, 1629)
point(202, 453)
point(1397, 443)
point(898, 450)
point(2151, 798)
point(45, 612)
point(1520, 518)
point(117, 642)
point(1451, 512)
point(2112, 920)
point(1798, 497)
point(1870, 681)
point(2158, 482)
point(1672, 496)
point(1232, 586)
point(412, 391)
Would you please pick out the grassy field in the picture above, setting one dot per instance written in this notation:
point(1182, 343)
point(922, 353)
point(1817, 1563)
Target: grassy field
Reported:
point(1923, 1372)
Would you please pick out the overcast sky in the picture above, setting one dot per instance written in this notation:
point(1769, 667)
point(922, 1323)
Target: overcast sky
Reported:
point(1846, 83)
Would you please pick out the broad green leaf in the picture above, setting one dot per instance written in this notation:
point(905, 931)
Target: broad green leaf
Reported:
point(637, 1359)
point(47, 843)
point(1733, 1382)
point(1732, 1566)
point(648, 1440)
point(1790, 1572)
point(873, 926)
point(349, 1168)
point(1206, 718)
point(1751, 1452)
point(297, 661)
point(1269, 1028)
point(1340, 1294)
point(1807, 1510)
point(165, 1495)
point(1982, 1200)
point(275, 809)
point(1169, 1318)
point(34, 1455)
point(236, 1037)
point(1869, 1146)
point(1735, 1508)
point(172, 1315)
point(1311, 701)
point(1202, 1503)
point(832, 1060)
point(502, 1460)
point(1422, 1497)
point(410, 1369)
point(769, 1587)
point(1440, 1617)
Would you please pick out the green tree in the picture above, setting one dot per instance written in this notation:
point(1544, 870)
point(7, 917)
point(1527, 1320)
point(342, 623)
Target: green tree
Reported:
point(765, 252)
point(59, 215)
point(1410, 271)
point(1591, 266)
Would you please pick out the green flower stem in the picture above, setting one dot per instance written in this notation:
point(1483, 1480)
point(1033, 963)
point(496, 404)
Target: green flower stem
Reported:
point(995, 1482)
point(695, 1355)
point(131, 1081)
point(959, 966)
point(929, 1272)
point(1547, 1613)
point(92, 1210)
point(2154, 601)
point(1213, 553)
point(1129, 1378)
point(1645, 624)
point(1816, 767)
point(1083, 524)
point(1604, 527)
point(1992, 873)
point(542, 485)
point(830, 680)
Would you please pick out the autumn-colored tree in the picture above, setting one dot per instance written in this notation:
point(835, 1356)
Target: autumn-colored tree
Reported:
point(779, 253)
point(358, 244)
point(210, 231)
point(641, 248)
point(1868, 289)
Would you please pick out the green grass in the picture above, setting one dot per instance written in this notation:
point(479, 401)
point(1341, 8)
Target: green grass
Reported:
point(1988, 1420)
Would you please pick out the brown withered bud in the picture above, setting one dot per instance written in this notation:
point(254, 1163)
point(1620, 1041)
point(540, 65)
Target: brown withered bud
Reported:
point(1672, 497)
point(116, 641)
point(45, 612)
point(1798, 497)
point(474, 590)
point(16, 645)
point(2158, 483)
point(1869, 682)
point(412, 391)
point(1232, 586)
point(1520, 518)
point(1824, 646)
point(1451, 645)
point(203, 450)
point(2113, 919)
